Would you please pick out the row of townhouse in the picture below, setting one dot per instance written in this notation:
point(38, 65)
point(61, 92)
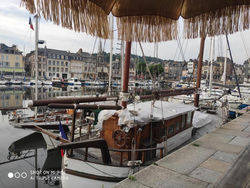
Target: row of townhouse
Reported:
point(61, 64)
point(175, 70)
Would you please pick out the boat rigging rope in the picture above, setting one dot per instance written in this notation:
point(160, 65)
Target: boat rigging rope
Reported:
point(150, 75)
point(180, 47)
point(185, 48)
point(165, 128)
point(91, 58)
point(101, 170)
point(244, 44)
point(220, 48)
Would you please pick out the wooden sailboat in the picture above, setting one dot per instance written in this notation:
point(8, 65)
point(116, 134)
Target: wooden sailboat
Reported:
point(130, 139)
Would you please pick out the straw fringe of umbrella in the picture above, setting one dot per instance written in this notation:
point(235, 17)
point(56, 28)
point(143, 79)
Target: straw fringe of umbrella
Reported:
point(79, 15)
point(221, 21)
point(146, 28)
point(91, 16)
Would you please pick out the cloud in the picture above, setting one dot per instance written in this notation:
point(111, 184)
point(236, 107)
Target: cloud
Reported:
point(14, 29)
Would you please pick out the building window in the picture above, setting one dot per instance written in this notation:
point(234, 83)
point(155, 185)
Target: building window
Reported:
point(183, 121)
point(7, 57)
point(66, 63)
point(189, 118)
point(54, 74)
point(54, 56)
point(57, 69)
point(177, 126)
point(49, 62)
point(49, 55)
point(1, 64)
point(39, 66)
point(57, 63)
point(17, 58)
point(62, 56)
point(2, 57)
point(62, 69)
point(6, 64)
point(57, 75)
point(58, 56)
point(49, 68)
point(54, 69)
point(62, 63)
point(66, 57)
point(171, 130)
point(39, 73)
point(54, 63)
point(50, 74)
point(17, 64)
point(66, 69)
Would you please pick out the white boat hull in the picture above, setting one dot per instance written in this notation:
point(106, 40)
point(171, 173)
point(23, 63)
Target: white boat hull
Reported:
point(89, 172)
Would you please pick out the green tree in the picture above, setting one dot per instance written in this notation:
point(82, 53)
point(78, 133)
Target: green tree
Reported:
point(156, 69)
point(141, 68)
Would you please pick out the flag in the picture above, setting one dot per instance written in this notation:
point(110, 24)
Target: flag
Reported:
point(63, 135)
point(31, 25)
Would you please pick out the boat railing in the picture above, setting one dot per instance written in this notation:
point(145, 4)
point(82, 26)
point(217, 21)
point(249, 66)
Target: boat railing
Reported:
point(144, 150)
point(98, 143)
point(129, 151)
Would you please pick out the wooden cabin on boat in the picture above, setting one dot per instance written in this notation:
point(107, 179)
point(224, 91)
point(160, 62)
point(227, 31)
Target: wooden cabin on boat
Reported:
point(148, 130)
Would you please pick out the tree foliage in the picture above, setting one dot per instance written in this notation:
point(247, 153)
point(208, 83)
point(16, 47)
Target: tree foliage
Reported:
point(156, 69)
point(141, 68)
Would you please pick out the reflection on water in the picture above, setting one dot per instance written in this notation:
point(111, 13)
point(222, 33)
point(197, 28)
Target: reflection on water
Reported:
point(18, 166)
point(11, 97)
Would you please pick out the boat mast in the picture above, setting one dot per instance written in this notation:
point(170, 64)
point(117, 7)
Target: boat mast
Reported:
point(225, 67)
point(124, 93)
point(211, 65)
point(122, 60)
point(199, 69)
point(236, 78)
point(111, 54)
point(36, 61)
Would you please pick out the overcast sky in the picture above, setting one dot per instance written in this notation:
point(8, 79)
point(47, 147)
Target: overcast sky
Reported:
point(14, 29)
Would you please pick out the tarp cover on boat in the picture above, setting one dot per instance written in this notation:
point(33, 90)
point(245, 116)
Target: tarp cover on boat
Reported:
point(201, 119)
point(140, 113)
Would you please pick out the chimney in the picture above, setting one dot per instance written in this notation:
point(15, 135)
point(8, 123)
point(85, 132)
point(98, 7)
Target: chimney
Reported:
point(14, 47)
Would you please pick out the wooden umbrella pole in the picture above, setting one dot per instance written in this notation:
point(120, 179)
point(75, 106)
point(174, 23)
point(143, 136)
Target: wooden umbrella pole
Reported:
point(126, 75)
point(199, 70)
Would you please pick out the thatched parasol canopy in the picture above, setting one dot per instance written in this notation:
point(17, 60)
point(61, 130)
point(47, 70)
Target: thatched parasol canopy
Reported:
point(146, 20)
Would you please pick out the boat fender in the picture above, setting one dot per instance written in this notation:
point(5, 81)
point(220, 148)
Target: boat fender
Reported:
point(124, 96)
